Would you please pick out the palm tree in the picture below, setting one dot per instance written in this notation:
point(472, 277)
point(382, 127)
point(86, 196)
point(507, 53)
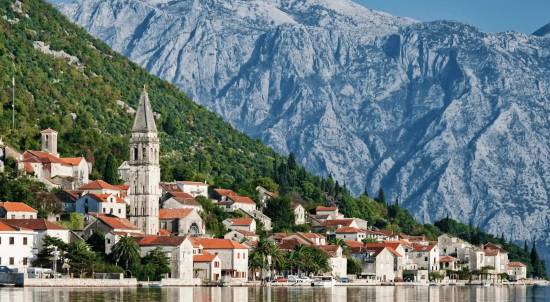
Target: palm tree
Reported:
point(267, 250)
point(126, 250)
point(255, 263)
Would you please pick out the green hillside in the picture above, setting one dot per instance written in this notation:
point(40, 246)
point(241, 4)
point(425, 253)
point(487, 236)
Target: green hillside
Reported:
point(80, 101)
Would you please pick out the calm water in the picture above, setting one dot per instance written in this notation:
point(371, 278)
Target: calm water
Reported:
point(241, 294)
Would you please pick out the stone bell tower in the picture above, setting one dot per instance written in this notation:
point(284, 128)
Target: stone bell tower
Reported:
point(144, 176)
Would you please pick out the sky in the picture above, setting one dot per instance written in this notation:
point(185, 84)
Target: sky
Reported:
point(489, 15)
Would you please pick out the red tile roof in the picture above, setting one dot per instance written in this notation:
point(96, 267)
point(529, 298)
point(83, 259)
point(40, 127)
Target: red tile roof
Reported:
point(34, 224)
point(241, 221)
point(219, 244)
point(104, 197)
point(45, 157)
point(338, 222)
point(329, 249)
point(184, 198)
point(445, 259)
point(349, 230)
point(205, 257)
point(195, 183)
point(6, 228)
point(115, 222)
point(151, 240)
point(516, 264)
point(225, 192)
point(170, 187)
point(99, 185)
point(311, 235)
point(164, 232)
point(325, 209)
point(11, 206)
point(174, 213)
point(423, 248)
point(242, 199)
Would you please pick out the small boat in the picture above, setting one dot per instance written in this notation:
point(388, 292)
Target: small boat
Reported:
point(324, 281)
point(155, 285)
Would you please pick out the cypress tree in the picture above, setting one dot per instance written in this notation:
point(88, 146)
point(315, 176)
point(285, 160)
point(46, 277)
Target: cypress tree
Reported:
point(535, 261)
point(525, 247)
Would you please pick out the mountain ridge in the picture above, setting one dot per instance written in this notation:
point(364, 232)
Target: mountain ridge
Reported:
point(446, 118)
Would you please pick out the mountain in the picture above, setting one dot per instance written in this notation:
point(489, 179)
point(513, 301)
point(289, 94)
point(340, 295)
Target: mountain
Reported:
point(448, 119)
point(543, 31)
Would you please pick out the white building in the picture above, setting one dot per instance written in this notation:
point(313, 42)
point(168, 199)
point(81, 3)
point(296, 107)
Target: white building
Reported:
point(178, 249)
point(337, 261)
point(328, 213)
point(144, 175)
point(207, 267)
point(180, 200)
point(496, 257)
point(351, 233)
point(426, 257)
point(517, 271)
point(109, 204)
point(243, 224)
point(102, 187)
point(16, 246)
point(381, 263)
point(233, 257)
point(264, 195)
point(16, 210)
point(193, 188)
point(52, 170)
point(242, 236)
point(236, 202)
point(41, 228)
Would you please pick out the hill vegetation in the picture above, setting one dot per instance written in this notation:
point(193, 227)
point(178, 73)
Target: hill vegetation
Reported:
point(87, 100)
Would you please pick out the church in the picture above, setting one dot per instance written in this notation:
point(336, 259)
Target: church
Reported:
point(142, 175)
point(144, 170)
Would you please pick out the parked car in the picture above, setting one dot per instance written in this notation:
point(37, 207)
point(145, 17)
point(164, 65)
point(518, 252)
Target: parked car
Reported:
point(5, 269)
point(344, 280)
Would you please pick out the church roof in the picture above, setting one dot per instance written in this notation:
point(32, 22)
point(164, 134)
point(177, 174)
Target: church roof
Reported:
point(145, 120)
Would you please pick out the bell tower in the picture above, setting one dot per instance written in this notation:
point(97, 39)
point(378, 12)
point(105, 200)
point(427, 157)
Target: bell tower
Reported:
point(144, 189)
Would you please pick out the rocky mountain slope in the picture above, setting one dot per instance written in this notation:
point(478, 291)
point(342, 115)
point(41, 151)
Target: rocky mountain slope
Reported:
point(543, 31)
point(447, 119)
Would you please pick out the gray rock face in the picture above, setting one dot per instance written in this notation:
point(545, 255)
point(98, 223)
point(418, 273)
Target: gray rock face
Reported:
point(450, 120)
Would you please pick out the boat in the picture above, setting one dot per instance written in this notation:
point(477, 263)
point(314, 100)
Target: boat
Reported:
point(324, 281)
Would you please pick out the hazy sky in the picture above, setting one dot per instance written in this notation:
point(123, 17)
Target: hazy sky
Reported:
point(489, 15)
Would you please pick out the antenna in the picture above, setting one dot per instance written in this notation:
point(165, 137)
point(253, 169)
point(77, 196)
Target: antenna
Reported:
point(13, 94)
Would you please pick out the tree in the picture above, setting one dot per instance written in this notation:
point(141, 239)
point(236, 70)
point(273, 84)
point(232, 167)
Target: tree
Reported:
point(157, 264)
point(381, 198)
point(110, 171)
point(81, 257)
point(125, 251)
point(280, 212)
point(76, 222)
point(97, 242)
point(353, 266)
point(45, 256)
point(269, 253)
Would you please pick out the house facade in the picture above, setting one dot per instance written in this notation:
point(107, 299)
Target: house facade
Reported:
point(17, 210)
point(193, 188)
point(178, 249)
point(241, 224)
point(41, 228)
point(233, 257)
point(109, 204)
point(16, 246)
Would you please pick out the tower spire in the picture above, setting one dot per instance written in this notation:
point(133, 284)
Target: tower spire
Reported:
point(145, 120)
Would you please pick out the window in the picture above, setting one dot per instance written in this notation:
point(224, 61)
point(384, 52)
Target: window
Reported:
point(238, 255)
point(144, 153)
point(24, 216)
point(25, 260)
point(24, 240)
point(12, 216)
point(425, 258)
point(136, 153)
point(119, 211)
point(12, 261)
point(12, 240)
point(216, 264)
point(108, 241)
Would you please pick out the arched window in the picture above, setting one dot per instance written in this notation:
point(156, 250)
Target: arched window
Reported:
point(135, 153)
point(144, 154)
